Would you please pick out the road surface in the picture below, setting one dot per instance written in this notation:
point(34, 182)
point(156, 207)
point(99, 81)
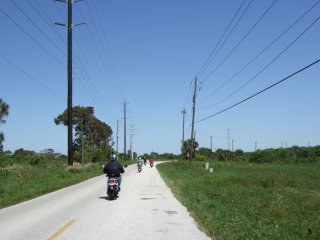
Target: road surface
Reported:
point(146, 209)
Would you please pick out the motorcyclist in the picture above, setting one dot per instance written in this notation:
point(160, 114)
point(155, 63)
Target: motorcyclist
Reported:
point(114, 168)
point(139, 162)
point(151, 160)
point(145, 161)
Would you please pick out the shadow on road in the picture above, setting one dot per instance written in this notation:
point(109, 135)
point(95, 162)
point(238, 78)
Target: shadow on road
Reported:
point(107, 198)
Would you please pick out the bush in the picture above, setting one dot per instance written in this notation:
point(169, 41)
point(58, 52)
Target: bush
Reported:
point(5, 161)
point(76, 167)
point(225, 155)
point(200, 158)
point(38, 161)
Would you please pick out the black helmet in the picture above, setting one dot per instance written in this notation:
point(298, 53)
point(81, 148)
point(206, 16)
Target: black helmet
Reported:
point(113, 157)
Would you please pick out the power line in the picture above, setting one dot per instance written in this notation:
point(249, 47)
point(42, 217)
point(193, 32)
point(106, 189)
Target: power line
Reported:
point(104, 53)
point(243, 38)
point(261, 52)
point(188, 95)
point(39, 29)
point(41, 15)
point(207, 63)
point(268, 65)
point(291, 75)
point(32, 78)
point(99, 55)
point(44, 17)
point(34, 40)
point(112, 63)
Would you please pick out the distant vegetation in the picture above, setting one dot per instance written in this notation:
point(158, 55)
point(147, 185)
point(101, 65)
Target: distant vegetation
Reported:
point(294, 154)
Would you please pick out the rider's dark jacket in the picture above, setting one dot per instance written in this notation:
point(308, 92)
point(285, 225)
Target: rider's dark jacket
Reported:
point(113, 169)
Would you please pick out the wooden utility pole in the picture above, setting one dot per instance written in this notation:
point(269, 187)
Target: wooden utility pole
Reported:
point(125, 130)
point(117, 137)
point(81, 140)
point(211, 143)
point(228, 139)
point(184, 113)
point(193, 117)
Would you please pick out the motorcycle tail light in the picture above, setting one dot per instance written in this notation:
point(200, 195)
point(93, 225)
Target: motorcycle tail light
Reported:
point(113, 181)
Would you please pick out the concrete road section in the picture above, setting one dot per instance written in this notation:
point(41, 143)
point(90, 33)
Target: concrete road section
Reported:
point(145, 209)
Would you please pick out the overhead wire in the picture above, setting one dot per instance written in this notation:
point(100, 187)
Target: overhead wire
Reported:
point(99, 55)
point(36, 26)
point(103, 52)
point(112, 62)
point(45, 18)
point(261, 52)
point(88, 91)
point(32, 38)
point(241, 41)
point(265, 67)
point(188, 94)
point(91, 90)
point(211, 56)
point(265, 89)
point(32, 78)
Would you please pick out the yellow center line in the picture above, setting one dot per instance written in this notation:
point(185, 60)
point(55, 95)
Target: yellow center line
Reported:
point(57, 234)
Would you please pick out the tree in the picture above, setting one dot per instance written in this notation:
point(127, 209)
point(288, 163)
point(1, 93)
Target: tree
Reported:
point(87, 127)
point(206, 152)
point(4, 111)
point(186, 148)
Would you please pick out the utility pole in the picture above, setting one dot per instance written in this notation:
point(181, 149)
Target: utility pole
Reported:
point(193, 117)
point(228, 138)
point(69, 105)
point(211, 143)
point(286, 144)
point(232, 145)
point(81, 140)
point(125, 131)
point(255, 145)
point(131, 141)
point(132, 129)
point(184, 113)
point(117, 137)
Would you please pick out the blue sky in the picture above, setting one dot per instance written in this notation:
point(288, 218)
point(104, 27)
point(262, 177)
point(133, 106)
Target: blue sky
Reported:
point(147, 53)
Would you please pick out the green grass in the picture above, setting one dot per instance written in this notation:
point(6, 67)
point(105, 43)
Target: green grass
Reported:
point(249, 201)
point(23, 182)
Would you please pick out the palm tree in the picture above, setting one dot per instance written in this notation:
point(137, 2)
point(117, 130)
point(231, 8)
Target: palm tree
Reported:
point(4, 111)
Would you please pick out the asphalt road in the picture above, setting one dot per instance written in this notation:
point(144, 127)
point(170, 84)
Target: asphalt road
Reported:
point(146, 209)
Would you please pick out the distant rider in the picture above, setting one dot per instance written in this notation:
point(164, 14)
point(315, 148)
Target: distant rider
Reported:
point(114, 168)
point(145, 161)
point(151, 160)
point(139, 162)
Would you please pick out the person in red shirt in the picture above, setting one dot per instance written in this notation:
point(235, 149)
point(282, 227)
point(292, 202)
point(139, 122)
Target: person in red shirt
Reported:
point(151, 160)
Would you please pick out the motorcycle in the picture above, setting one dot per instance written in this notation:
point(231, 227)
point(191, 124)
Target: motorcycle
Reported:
point(139, 167)
point(151, 164)
point(113, 188)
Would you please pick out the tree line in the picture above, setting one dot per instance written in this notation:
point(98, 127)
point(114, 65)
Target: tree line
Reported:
point(294, 154)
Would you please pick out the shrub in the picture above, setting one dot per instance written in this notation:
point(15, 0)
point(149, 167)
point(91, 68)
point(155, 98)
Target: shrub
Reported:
point(201, 158)
point(76, 167)
point(38, 161)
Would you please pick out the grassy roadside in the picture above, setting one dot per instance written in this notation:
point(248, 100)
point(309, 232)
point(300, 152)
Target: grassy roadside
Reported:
point(24, 182)
point(249, 201)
